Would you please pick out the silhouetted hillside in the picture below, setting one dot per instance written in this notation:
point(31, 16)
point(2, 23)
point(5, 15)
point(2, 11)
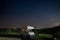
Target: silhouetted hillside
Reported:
point(52, 30)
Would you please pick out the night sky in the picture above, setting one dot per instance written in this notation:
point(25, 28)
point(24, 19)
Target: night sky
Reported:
point(38, 13)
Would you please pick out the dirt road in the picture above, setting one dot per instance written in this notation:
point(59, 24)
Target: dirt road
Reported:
point(3, 38)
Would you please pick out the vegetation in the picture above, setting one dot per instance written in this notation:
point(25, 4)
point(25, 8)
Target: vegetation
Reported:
point(41, 33)
point(10, 31)
point(44, 35)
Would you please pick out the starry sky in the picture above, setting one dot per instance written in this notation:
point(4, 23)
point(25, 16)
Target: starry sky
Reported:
point(38, 13)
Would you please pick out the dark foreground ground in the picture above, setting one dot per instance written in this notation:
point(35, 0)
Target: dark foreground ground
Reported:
point(9, 37)
point(5, 38)
point(16, 37)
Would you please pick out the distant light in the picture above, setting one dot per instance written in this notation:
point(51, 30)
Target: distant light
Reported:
point(30, 27)
point(31, 33)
